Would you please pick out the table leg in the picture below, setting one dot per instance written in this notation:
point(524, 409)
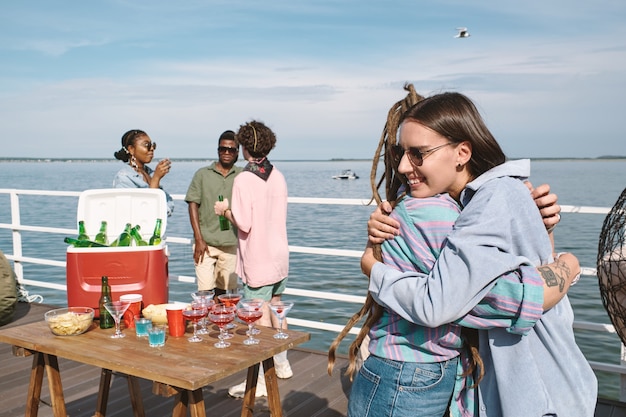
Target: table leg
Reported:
point(54, 384)
point(180, 404)
point(247, 409)
point(196, 402)
point(135, 396)
point(273, 396)
point(103, 393)
point(34, 387)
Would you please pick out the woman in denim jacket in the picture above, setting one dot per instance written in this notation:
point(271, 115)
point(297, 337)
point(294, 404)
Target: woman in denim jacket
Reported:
point(499, 230)
point(137, 151)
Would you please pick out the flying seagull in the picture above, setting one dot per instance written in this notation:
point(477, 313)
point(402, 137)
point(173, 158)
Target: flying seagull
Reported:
point(463, 33)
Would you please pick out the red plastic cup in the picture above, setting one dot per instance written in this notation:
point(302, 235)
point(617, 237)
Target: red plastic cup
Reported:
point(175, 320)
point(134, 309)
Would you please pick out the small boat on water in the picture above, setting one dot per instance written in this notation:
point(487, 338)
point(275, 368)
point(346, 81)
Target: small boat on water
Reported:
point(346, 174)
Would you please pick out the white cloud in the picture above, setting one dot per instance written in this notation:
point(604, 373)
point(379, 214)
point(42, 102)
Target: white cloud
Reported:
point(186, 82)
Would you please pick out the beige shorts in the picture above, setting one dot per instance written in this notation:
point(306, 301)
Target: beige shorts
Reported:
point(217, 269)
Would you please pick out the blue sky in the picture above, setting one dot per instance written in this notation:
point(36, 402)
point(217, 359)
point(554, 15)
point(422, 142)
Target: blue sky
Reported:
point(548, 76)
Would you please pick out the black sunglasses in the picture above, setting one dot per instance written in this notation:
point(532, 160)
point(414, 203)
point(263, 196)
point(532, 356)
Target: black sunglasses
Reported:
point(416, 157)
point(227, 149)
point(148, 145)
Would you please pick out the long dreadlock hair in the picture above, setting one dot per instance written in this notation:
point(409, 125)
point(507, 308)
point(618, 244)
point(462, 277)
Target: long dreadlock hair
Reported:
point(393, 180)
point(392, 184)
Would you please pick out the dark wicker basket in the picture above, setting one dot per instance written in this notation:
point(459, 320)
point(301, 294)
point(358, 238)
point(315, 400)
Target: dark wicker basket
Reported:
point(611, 264)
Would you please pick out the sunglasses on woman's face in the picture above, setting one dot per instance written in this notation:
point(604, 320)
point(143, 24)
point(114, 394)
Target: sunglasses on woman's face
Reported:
point(416, 157)
point(148, 145)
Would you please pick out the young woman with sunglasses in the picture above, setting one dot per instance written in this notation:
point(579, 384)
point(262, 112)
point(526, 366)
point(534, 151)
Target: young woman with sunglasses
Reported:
point(137, 151)
point(446, 148)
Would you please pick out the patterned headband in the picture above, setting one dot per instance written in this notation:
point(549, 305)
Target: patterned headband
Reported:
point(255, 137)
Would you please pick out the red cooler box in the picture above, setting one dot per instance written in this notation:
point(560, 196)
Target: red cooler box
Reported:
point(131, 270)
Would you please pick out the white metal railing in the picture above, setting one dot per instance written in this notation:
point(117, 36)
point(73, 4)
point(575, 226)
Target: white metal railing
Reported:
point(16, 228)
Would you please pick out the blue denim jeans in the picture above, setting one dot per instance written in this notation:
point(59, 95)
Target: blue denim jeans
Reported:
point(388, 388)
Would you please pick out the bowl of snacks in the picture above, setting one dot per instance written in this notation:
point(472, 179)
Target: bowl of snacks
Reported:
point(69, 321)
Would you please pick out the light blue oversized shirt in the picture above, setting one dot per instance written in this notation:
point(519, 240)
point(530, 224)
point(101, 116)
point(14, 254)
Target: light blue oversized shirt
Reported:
point(127, 177)
point(499, 230)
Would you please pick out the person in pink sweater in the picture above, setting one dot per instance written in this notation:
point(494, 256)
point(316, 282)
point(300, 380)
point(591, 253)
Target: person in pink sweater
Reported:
point(259, 211)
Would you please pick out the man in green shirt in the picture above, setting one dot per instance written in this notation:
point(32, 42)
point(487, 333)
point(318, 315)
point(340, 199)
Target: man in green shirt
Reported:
point(214, 250)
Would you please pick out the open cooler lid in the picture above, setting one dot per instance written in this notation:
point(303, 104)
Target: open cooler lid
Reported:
point(118, 206)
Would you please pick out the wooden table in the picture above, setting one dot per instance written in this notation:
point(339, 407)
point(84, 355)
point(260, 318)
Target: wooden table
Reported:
point(179, 368)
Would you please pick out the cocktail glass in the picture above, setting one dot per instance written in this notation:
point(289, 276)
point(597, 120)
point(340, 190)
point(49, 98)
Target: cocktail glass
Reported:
point(203, 295)
point(198, 311)
point(280, 310)
point(231, 298)
point(233, 309)
point(257, 304)
point(206, 302)
point(117, 309)
point(249, 315)
point(221, 315)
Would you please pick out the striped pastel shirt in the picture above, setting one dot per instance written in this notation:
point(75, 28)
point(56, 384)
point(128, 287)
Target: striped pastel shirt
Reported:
point(425, 224)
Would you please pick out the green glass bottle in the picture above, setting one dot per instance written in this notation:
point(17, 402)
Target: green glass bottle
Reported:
point(82, 234)
point(134, 232)
point(224, 224)
point(101, 237)
point(83, 243)
point(156, 235)
point(125, 238)
point(106, 320)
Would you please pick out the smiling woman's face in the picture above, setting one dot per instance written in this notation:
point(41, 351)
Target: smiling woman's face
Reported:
point(142, 149)
point(437, 170)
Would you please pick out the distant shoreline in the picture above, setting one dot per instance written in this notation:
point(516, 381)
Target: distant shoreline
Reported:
point(81, 160)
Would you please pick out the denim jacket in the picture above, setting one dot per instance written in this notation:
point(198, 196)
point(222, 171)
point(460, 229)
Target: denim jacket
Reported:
point(127, 177)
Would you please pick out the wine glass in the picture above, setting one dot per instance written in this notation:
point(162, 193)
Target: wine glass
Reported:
point(233, 310)
point(197, 311)
point(280, 310)
point(203, 295)
point(231, 298)
point(206, 301)
point(221, 315)
point(117, 309)
point(257, 304)
point(249, 315)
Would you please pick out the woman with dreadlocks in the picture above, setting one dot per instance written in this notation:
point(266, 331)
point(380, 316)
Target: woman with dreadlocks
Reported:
point(498, 233)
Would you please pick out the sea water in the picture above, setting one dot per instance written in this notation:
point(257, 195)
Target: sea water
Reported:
point(576, 182)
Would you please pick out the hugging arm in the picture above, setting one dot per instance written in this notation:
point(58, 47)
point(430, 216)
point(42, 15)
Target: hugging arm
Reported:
point(478, 252)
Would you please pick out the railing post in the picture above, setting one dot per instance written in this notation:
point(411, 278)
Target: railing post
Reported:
point(17, 236)
point(622, 377)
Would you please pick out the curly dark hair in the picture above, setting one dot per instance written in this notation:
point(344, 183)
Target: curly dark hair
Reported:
point(256, 138)
point(128, 139)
